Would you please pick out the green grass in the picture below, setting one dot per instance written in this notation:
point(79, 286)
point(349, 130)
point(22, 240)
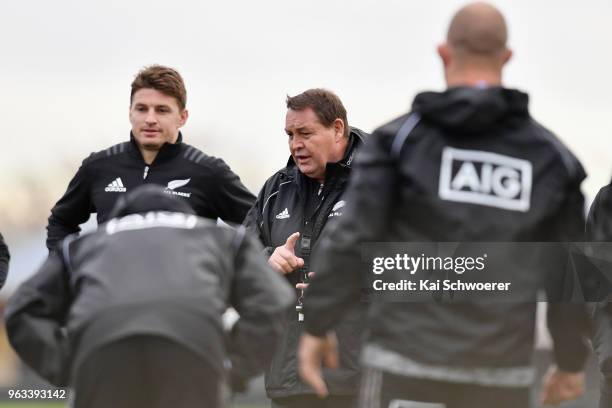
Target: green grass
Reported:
point(54, 405)
point(30, 405)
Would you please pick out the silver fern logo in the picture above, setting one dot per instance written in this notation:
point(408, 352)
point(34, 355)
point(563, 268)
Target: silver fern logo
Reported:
point(174, 184)
point(335, 211)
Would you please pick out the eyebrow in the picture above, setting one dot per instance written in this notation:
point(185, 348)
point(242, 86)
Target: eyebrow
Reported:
point(155, 106)
point(300, 129)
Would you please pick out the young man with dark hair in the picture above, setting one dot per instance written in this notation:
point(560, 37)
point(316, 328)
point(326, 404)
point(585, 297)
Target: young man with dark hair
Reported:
point(154, 154)
point(294, 206)
point(427, 176)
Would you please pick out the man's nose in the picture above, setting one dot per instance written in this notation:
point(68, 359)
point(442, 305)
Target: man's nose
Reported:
point(296, 143)
point(151, 117)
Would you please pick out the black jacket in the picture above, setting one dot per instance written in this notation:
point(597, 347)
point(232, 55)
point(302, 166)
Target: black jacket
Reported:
point(289, 202)
point(599, 229)
point(205, 182)
point(5, 257)
point(159, 272)
point(406, 187)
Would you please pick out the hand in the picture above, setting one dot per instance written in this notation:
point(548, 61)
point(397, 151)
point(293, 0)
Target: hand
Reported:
point(304, 286)
point(560, 386)
point(311, 353)
point(283, 258)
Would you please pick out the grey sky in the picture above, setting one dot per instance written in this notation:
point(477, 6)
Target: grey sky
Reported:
point(67, 66)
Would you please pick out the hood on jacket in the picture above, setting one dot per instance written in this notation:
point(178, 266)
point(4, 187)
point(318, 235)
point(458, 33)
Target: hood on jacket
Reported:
point(468, 109)
point(149, 197)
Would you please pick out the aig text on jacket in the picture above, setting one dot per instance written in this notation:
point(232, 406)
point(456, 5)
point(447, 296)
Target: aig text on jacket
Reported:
point(414, 264)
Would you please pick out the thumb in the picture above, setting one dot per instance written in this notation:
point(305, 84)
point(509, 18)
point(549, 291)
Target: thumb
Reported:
point(290, 244)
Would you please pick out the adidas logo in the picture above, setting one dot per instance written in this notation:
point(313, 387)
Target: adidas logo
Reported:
point(283, 214)
point(116, 186)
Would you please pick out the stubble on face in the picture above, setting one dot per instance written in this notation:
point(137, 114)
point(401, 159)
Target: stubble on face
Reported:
point(156, 118)
point(311, 144)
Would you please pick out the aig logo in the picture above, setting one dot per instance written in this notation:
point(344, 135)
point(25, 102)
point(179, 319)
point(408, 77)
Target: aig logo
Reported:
point(491, 179)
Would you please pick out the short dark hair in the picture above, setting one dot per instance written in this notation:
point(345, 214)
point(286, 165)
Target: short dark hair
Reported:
point(163, 79)
point(325, 104)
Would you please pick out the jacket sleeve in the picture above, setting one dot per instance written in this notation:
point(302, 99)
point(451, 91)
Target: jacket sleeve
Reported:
point(254, 221)
point(602, 344)
point(73, 209)
point(232, 199)
point(5, 257)
point(35, 318)
point(339, 274)
point(569, 323)
point(261, 297)
point(599, 229)
point(599, 220)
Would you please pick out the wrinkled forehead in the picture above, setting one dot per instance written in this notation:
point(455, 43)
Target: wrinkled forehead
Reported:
point(301, 119)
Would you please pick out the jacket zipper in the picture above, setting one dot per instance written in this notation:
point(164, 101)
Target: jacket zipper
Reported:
point(146, 173)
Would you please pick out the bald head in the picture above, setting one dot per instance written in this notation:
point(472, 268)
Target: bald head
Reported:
point(475, 50)
point(478, 28)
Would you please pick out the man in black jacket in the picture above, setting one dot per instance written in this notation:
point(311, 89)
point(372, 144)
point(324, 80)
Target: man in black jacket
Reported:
point(130, 315)
point(295, 205)
point(599, 230)
point(154, 154)
point(5, 257)
point(467, 164)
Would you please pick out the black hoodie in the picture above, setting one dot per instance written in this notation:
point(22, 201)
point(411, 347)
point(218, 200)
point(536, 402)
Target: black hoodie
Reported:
point(407, 187)
point(599, 229)
point(157, 269)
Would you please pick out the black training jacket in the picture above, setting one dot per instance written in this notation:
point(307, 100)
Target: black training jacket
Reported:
point(289, 202)
point(599, 229)
point(205, 182)
point(5, 257)
point(407, 186)
point(158, 272)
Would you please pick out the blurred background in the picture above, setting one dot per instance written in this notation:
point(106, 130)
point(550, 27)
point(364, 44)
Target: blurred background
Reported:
point(67, 66)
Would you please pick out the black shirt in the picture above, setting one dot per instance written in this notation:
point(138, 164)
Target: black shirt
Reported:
point(205, 182)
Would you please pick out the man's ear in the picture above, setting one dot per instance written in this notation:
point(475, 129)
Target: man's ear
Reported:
point(506, 56)
point(338, 129)
point(184, 116)
point(445, 54)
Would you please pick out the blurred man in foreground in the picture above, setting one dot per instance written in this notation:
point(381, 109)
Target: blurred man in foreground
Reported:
point(466, 164)
point(599, 230)
point(293, 208)
point(130, 315)
point(155, 154)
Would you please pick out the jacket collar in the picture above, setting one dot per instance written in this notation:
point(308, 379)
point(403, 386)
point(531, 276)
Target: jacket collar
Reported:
point(166, 152)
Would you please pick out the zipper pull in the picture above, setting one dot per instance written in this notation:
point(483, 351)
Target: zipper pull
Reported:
point(146, 173)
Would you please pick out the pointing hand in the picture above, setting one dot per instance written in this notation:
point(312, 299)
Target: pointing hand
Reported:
point(283, 258)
